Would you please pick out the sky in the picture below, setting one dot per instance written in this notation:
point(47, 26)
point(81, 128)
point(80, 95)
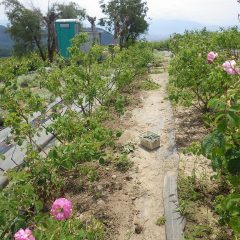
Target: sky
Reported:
point(209, 12)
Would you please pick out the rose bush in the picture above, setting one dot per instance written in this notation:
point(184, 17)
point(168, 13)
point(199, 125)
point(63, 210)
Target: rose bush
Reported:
point(205, 73)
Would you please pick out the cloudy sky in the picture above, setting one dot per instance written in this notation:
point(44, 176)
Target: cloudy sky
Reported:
point(209, 12)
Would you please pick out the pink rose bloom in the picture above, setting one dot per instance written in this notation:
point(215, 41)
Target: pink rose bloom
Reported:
point(211, 56)
point(61, 209)
point(22, 234)
point(229, 67)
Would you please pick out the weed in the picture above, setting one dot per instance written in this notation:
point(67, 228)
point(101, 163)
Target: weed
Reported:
point(149, 85)
point(90, 172)
point(157, 70)
point(161, 221)
point(128, 148)
point(187, 208)
point(93, 176)
point(120, 104)
point(186, 188)
point(198, 231)
point(123, 163)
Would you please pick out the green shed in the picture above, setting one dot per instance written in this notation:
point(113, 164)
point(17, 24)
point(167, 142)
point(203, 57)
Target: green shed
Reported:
point(66, 29)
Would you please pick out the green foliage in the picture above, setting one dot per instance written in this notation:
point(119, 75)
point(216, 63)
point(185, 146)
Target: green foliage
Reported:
point(149, 85)
point(18, 202)
point(26, 27)
point(208, 87)
point(198, 232)
point(127, 19)
point(13, 67)
point(47, 228)
point(161, 45)
point(194, 82)
point(161, 221)
point(83, 83)
point(69, 11)
point(123, 163)
point(128, 148)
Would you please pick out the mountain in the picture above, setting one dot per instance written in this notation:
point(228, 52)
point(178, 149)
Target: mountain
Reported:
point(160, 29)
point(6, 42)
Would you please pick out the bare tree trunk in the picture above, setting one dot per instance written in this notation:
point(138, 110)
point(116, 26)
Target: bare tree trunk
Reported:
point(40, 49)
point(51, 42)
point(39, 46)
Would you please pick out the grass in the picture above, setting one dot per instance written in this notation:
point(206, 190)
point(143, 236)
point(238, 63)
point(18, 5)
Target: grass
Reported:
point(197, 206)
point(161, 221)
point(90, 172)
point(149, 85)
point(123, 163)
point(31, 81)
point(158, 58)
point(157, 70)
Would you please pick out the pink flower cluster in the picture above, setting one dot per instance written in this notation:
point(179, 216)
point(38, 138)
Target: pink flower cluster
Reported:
point(61, 210)
point(22, 234)
point(230, 67)
point(211, 57)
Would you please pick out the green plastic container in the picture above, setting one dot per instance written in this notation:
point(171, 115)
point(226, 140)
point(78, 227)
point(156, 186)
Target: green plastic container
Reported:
point(66, 29)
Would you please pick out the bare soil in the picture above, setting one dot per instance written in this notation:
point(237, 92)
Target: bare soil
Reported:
point(189, 126)
point(194, 174)
point(140, 203)
point(129, 204)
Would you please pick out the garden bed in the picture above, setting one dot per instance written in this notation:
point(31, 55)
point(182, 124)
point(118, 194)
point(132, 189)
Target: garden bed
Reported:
point(196, 191)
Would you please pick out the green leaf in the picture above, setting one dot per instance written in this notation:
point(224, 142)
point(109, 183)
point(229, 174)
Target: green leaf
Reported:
point(101, 161)
point(234, 119)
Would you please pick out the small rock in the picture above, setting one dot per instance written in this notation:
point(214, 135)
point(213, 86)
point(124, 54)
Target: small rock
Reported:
point(100, 202)
point(107, 168)
point(114, 176)
point(99, 187)
point(133, 198)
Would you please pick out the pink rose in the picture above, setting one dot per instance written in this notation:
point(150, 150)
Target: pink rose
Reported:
point(22, 234)
point(61, 209)
point(211, 56)
point(229, 67)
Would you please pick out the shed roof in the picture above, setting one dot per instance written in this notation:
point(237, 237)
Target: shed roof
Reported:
point(67, 20)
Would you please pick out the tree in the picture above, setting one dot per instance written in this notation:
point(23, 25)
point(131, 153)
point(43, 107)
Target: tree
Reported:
point(70, 10)
point(51, 39)
point(26, 27)
point(92, 21)
point(127, 18)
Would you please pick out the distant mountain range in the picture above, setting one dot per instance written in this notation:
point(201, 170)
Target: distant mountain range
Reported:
point(6, 42)
point(160, 29)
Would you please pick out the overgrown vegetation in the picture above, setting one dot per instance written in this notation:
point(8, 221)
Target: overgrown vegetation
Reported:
point(205, 74)
point(89, 89)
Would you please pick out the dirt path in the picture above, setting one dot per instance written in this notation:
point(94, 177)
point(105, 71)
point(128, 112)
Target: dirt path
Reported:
point(140, 203)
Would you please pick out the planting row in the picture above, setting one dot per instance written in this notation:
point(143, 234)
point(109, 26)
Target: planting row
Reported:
point(205, 74)
point(37, 206)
